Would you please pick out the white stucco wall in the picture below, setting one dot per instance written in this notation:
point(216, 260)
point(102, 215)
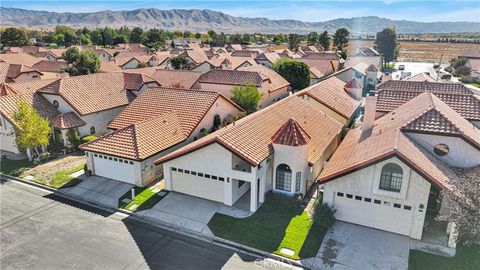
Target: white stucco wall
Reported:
point(131, 64)
point(7, 136)
point(365, 183)
point(461, 154)
point(204, 67)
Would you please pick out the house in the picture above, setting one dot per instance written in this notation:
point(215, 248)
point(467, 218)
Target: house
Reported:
point(392, 94)
point(319, 68)
point(234, 47)
point(131, 60)
point(18, 73)
point(245, 53)
point(473, 62)
point(169, 78)
point(366, 51)
point(267, 58)
point(51, 69)
point(195, 58)
point(134, 47)
point(421, 77)
point(325, 56)
point(156, 123)
point(267, 81)
point(358, 71)
point(388, 173)
point(20, 59)
point(280, 148)
point(376, 61)
point(93, 100)
point(337, 99)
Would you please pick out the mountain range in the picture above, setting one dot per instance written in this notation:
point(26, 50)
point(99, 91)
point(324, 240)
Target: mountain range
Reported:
point(204, 20)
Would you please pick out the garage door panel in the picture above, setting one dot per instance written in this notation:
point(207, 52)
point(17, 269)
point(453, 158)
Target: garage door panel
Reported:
point(370, 214)
point(116, 170)
point(198, 186)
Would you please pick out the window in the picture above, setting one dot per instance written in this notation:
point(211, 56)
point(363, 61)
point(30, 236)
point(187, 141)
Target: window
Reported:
point(125, 161)
point(200, 174)
point(193, 173)
point(441, 149)
point(131, 162)
point(377, 201)
point(358, 198)
point(206, 175)
point(109, 158)
point(391, 177)
point(105, 157)
point(221, 179)
point(240, 183)
point(387, 203)
point(92, 130)
point(298, 180)
point(115, 159)
point(349, 196)
point(340, 194)
point(95, 155)
point(396, 205)
point(35, 76)
point(284, 178)
point(55, 104)
point(174, 169)
point(187, 171)
point(407, 207)
point(367, 200)
point(214, 177)
point(86, 154)
point(180, 170)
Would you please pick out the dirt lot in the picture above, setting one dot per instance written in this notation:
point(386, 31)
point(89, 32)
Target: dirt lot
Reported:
point(422, 51)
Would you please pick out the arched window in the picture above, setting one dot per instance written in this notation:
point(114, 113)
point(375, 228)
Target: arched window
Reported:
point(391, 177)
point(55, 104)
point(92, 130)
point(284, 178)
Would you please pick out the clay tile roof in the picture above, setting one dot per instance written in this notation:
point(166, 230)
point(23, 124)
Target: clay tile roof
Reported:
point(141, 140)
point(371, 68)
point(392, 94)
point(95, 92)
point(191, 106)
point(198, 56)
point(291, 134)
point(354, 83)
point(421, 77)
point(427, 114)
point(321, 56)
point(111, 66)
point(324, 66)
point(67, 120)
point(275, 81)
point(20, 58)
point(331, 93)
point(231, 77)
point(251, 137)
point(50, 66)
point(6, 90)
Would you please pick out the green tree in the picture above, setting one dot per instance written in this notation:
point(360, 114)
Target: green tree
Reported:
point(312, 38)
point(248, 97)
point(179, 62)
point(137, 35)
point(279, 39)
point(294, 41)
point(295, 72)
point(341, 38)
point(155, 38)
point(14, 37)
point(81, 62)
point(32, 130)
point(324, 40)
point(85, 39)
point(386, 44)
point(59, 39)
point(119, 39)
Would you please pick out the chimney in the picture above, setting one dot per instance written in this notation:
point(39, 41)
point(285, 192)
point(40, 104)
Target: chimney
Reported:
point(369, 111)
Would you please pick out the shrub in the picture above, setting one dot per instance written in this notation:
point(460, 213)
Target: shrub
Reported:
point(88, 138)
point(73, 138)
point(204, 132)
point(217, 122)
point(323, 215)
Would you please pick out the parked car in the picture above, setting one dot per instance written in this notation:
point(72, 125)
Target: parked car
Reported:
point(401, 67)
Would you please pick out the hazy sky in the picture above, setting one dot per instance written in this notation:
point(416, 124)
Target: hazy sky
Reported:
point(426, 11)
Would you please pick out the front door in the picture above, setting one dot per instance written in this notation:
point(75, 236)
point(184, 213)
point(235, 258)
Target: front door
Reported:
point(434, 201)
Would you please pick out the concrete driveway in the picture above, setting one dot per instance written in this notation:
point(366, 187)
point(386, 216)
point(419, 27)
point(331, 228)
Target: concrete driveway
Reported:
point(350, 246)
point(189, 212)
point(98, 190)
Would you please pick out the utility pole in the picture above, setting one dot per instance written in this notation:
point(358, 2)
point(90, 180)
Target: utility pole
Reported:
point(439, 66)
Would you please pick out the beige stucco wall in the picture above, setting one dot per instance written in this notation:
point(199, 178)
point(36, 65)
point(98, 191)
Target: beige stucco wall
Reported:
point(28, 76)
point(461, 154)
point(365, 182)
point(7, 136)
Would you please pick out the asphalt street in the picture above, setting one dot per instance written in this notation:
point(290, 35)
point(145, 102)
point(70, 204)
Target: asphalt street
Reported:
point(42, 231)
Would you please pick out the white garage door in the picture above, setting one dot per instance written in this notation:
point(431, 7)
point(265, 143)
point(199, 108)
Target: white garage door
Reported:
point(114, 168)
point(202, 186)
point(373, 213)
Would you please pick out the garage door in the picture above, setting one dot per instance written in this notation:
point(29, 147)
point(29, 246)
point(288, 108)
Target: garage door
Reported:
point(371, 212)
point(203, 186)
point(114, 168)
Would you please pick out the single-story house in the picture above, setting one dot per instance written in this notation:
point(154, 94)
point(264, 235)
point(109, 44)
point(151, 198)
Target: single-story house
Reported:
point(335, 98)
point(388, 173)
point(392, 94)
point(280, 148)
point(156, 123)
point(18, 73)
point(267, 81)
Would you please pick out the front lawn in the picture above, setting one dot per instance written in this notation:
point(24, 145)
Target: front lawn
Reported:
point(467, 258)
point(14, 167)
point(279, 223)
point(145, 198)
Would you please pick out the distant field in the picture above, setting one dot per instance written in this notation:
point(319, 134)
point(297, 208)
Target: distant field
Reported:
point(422, 51)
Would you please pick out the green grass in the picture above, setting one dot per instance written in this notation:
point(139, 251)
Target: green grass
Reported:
point(145, 199)
point(467, 258)
point(389, 66)
point(279, 223)
point(61, 178)
point(476, 84)
point(14, 167)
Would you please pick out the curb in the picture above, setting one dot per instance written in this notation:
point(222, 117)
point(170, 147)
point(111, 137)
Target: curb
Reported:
point(163, 225)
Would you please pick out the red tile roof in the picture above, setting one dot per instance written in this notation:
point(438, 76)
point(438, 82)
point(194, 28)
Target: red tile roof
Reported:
point(231, 77)
point(354, 83)
point(275, 81)
point(291, 134)
point(251, 137)
point(67, 120)
point(421, 77)
point(50, 66)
